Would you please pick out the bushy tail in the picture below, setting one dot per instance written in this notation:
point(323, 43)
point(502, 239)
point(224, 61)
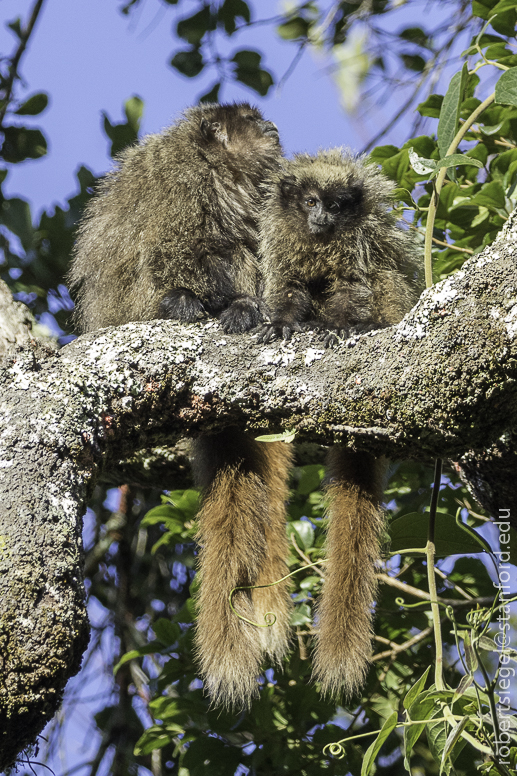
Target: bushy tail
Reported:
point(345, 610)
point(275, 599)
point(242, 539)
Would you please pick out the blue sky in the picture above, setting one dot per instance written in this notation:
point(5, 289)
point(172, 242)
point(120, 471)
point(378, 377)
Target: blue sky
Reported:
point(90, 58)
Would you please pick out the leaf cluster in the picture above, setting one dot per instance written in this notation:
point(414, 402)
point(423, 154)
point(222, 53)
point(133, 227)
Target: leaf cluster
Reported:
point(290, 728)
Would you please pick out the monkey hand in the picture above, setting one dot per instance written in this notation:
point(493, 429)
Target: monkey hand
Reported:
point(182, 305)
point(333, 336)
point(243, 314)
point(277, 330)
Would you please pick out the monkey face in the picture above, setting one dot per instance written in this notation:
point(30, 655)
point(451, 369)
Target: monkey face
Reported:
point(323, 211)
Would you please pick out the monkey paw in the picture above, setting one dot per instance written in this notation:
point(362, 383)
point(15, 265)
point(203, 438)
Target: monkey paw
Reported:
point(182, 305)
point(271, 331)
point(331, 337)
point(243, 314)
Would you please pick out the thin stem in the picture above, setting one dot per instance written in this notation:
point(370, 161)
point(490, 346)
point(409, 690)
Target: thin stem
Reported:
point(438, 675)
point(439, 183)
point(15, 61)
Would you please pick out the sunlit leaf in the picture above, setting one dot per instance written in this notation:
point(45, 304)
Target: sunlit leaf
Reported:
point(449, 114)
point(410, 531)
point(373, 750)
point(506, 88)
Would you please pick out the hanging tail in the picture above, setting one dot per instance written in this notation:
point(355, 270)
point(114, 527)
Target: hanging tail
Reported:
point(345, 632)
point(242, 539)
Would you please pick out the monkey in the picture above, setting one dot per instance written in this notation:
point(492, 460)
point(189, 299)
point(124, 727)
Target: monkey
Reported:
point(172, 232)
point(335, 260)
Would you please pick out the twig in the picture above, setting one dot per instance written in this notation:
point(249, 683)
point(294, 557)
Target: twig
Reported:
point(396, 648)
point(452, 247)
point(414, 591)
point(456, 587)
point(15, 61)
point(304, 557)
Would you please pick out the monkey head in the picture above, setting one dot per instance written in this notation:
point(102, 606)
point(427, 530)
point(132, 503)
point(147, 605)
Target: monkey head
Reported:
point(328, 194)
point(236, 133)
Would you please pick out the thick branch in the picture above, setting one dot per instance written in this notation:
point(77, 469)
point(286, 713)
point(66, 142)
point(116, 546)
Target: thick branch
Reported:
point(441, 383)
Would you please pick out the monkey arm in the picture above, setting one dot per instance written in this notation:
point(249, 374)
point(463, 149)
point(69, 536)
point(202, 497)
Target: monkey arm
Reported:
point(289, 304)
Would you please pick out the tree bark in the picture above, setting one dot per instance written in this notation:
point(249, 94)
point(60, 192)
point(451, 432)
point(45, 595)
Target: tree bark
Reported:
point(441, 383)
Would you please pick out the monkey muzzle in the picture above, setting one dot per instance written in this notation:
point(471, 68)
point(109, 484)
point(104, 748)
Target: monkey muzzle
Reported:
point(270, 129)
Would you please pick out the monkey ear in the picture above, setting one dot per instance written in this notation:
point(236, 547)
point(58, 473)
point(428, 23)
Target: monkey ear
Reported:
point(288, 186)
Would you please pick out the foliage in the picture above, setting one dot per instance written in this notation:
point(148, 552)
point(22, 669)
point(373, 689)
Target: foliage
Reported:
point(139, 566)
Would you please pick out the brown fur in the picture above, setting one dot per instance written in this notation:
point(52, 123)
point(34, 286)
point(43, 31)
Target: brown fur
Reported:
point(172, 233)
point(243, 542)
point(356, 485)
point(334, 259)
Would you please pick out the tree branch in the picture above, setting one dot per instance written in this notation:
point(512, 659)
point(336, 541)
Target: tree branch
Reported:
point(441, 383)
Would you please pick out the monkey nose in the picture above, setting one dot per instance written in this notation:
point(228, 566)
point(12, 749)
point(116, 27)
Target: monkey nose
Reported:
point(268, 128)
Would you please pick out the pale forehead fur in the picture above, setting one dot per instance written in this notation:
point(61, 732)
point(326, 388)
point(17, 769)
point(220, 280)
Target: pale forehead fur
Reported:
point(338, 167)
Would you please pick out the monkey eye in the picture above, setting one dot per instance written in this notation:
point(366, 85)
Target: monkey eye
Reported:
point(333, 207)
point(310, 202)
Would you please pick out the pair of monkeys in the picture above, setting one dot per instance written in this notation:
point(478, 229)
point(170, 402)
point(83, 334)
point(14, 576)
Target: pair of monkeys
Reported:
point(201, 219)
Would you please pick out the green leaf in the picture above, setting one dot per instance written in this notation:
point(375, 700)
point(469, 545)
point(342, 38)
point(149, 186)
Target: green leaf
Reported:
point(373, 750)
point(431, 107)
point(505, 20)
point(188, 62)
point(293, 28)
point(194, 28)
point(310, 582)
point(420, 164)
point(285, 436)
point(166, 631)
point(147, 649)
point(450, 112)
point(381, 153)
point(134, 109)
point(301, 615)
point(490, 195)
point(249, 72)
point(16, 27)
point(506, 88)
point(483, 8)
point(155, 737)
point(413, 62)
point(452, 740)
point(231, 10)
point(21, 143)
point(186, 501)
point(422, 708)
point(504, 5)
point(470, 656)
point(303, 533)
point(212, 95)
point(462, 687)
point(15, 214)
point(207, 756)
point(410, 531)
point(123, 134)
point(417, 688)
point(311, 478)
point(33, 105)
point(415, 35)
point(437, 740)
point(455, 160)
